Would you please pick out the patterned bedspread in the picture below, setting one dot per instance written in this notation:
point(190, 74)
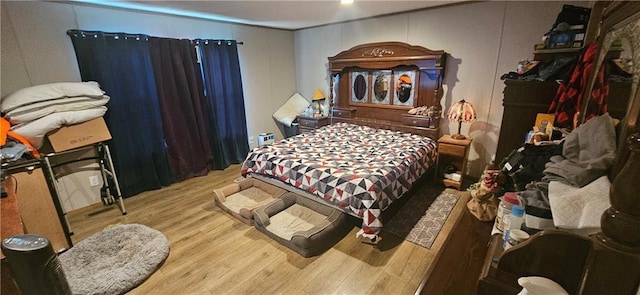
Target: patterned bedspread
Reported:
point(358, 168)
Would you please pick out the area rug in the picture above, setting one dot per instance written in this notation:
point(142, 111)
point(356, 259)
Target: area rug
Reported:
point(114, 260)
point(420, 220)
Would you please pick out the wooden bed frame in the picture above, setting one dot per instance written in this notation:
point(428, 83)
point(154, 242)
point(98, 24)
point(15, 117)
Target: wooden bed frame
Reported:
point(363, 93)
point(364, 74)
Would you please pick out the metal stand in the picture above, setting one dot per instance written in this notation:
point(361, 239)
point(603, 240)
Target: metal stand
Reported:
point(111, 187)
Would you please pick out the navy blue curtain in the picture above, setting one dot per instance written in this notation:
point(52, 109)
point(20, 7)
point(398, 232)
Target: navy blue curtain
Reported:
point(225, 101)
point(181, 96)
point(121, 64)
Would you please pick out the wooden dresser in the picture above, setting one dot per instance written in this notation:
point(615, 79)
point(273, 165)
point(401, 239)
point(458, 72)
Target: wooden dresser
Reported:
point(523, 100)
point(607, 262)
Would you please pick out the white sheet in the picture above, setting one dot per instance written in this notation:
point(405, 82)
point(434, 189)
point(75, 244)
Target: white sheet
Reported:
point(35, 131)
point(579, 208)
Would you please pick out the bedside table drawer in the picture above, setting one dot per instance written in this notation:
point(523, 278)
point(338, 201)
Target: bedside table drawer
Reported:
point(421, 121)
point(303, 122)
point(344, 113)
point(451, 149)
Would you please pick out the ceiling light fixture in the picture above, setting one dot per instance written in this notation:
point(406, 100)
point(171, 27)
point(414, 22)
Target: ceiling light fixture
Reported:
point(346, 2)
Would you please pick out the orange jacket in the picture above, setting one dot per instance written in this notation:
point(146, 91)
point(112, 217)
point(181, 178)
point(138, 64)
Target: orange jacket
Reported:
point(5, 132)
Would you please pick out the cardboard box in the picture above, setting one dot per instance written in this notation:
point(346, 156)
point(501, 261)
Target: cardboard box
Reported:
point(79, 135)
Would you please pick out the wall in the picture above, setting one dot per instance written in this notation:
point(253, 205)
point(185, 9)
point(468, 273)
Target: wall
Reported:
point(483, 40)
point(36, 50)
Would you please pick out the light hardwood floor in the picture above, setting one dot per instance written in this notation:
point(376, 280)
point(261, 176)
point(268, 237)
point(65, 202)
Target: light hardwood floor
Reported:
point(213, 253)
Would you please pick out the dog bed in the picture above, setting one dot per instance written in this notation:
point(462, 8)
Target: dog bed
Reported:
point(301, 224)
point(241, 198)
point(115, 260)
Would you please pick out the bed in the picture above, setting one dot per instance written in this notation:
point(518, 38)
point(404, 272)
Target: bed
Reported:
point(373, 150)
point(359, 169)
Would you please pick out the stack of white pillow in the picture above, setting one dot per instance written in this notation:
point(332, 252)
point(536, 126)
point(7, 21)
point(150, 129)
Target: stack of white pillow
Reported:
point(35, 111)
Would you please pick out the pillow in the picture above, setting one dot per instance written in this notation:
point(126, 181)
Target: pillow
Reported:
point(35, 131)
point(37, 110)
point(540, 286)
point(292, 108)
point(50, 91)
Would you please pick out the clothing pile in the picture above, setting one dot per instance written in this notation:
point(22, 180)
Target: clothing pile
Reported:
point(34, 111)
point(588, 153)
point(568, 100)
point(557, 68)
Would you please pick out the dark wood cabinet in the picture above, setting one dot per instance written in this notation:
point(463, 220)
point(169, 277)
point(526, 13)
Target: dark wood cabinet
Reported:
point(523, 100)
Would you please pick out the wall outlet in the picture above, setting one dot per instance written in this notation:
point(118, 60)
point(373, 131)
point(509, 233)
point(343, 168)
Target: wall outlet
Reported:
point(94, 181)
point(251, 140)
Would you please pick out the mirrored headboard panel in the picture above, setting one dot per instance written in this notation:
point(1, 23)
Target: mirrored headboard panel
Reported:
point(377, 84)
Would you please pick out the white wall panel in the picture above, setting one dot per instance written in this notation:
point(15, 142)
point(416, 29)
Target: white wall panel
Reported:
point(36, 50)
point(483, 39)
point(40, 29)
point(14, 70)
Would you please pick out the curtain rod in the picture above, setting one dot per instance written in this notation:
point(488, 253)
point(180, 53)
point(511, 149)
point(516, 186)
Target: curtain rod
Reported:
point(76, 32)
point(219, 41)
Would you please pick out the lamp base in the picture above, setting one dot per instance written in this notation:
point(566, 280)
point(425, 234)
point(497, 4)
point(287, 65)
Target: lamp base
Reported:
point(458, 136)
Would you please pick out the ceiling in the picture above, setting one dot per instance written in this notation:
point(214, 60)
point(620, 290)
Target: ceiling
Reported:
point(291, 15)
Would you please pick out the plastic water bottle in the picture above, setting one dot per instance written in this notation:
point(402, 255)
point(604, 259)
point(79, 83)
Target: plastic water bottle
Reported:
point(509, 199)
point(512, 221)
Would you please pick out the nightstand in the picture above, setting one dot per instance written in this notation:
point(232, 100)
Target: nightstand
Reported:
point(306, 124)
point(453, 152)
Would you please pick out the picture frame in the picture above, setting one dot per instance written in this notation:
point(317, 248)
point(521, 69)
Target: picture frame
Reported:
point(381, 87)
point(544, 123)
point(360, 87)
point(404, 88)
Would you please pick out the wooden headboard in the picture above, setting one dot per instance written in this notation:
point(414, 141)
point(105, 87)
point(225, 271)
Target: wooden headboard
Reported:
point(376, 84)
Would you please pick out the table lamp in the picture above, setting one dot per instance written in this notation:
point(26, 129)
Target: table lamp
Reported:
point(318, 97)
point(461, 111)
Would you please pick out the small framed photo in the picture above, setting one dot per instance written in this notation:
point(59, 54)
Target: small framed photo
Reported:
point(544, 123)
